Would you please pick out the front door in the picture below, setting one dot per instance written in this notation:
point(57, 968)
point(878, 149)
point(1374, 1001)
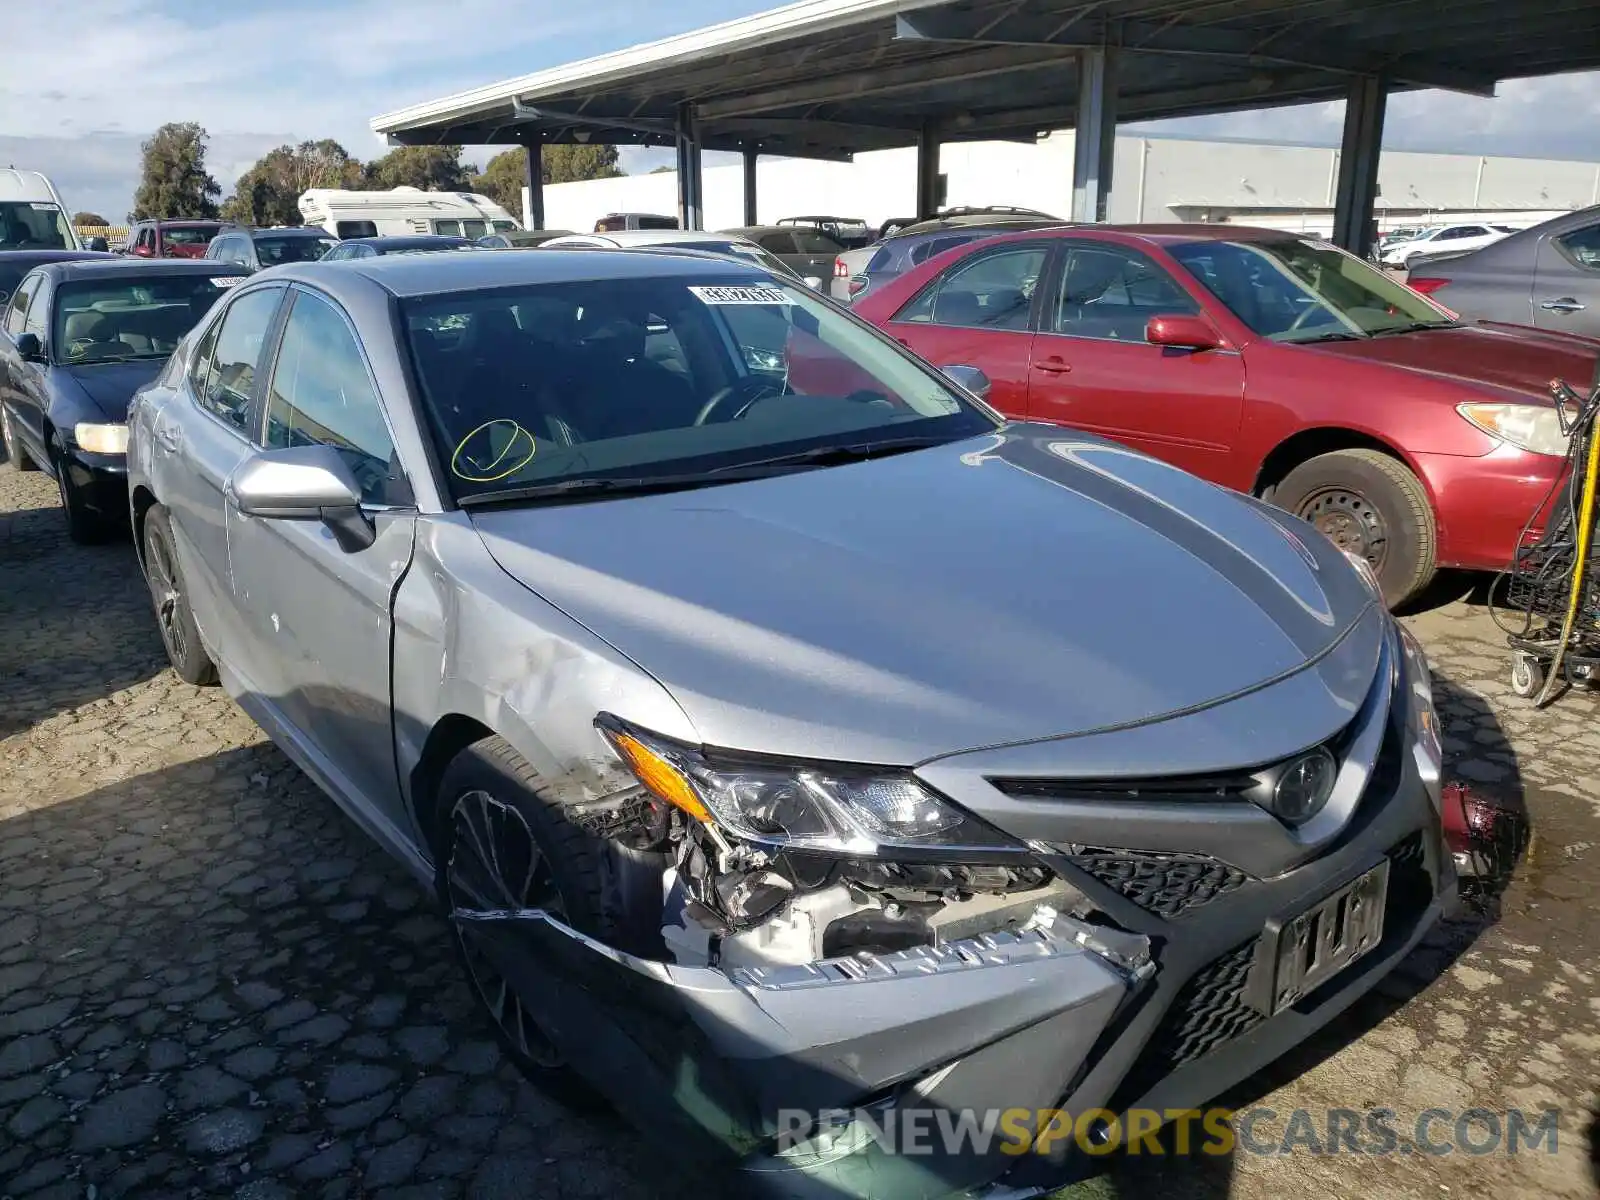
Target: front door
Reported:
point(199, 438)
point(1566, 285)
point(1093, 370)
point(317, 617)
point(979, 313)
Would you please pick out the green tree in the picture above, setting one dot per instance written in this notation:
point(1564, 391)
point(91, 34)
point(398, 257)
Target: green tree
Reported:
point(571, 162)
point(431, 168)
point(89, 218)
point(173, 181)
point(504, 178)
point(269, 192)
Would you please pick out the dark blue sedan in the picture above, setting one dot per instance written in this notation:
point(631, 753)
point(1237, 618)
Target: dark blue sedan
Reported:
point(77, 339)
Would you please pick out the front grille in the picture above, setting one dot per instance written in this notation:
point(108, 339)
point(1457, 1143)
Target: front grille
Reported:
point(1208, 1013)
point(1165, 884)
point(1230, 785)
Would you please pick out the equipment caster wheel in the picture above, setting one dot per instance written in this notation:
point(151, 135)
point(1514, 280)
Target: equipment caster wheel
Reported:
point(1527, 676)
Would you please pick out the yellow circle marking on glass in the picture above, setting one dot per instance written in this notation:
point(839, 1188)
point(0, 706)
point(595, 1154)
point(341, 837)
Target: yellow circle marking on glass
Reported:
point(493, 472)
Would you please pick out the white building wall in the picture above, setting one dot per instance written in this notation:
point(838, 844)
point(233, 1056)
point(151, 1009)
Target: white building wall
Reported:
point(1156, 179)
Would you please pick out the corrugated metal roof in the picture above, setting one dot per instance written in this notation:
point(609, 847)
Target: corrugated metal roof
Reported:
point(830, 77)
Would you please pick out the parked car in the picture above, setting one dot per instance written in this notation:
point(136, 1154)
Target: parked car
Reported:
point(34, 217)
point(372, 247)
point(678, 239)
point(1456, 238)
point(77, 339)
point(809, 253)
point(256, 249)
point(1547, 277)
point(593, 655)
point(520, 239)
point(401, 211)
point(855, 271)
point(14, 264)
point(850, 232)
point(623, 222)
point(1275, 364)
point(171, 239)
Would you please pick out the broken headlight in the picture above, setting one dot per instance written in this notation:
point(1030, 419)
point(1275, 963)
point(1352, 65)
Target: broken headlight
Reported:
point(801, 806)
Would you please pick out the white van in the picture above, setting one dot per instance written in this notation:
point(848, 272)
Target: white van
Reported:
point(404, 210)
point(32, 214)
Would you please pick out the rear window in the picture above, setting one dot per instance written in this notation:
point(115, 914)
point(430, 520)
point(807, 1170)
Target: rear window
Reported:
point(275, 250)
point(809, 241)
point(657, 223)
point(357, 229)
point(190, 235)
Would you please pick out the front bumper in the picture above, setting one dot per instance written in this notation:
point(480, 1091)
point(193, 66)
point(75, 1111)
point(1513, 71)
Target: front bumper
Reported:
point(1483, 504)
point(1074, 1016)
point(100, 480)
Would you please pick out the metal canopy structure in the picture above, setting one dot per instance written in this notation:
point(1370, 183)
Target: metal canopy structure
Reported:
point(831, 78)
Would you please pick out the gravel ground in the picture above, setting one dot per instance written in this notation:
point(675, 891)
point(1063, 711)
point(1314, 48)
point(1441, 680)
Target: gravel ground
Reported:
point(212, 984)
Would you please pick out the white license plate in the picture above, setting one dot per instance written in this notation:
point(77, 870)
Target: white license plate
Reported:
point(1301, 954)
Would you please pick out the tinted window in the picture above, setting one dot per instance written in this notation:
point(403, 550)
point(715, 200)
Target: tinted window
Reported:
point(448, 228)
point(1109, 292)
point(354, 229)
point(992, 290)
point(1582, 246)
point(934, 247)
point(188, 236)
point(657, 223)
point(230, 368)
point(504, 226)
point(25, 225)
point(17, 310)
point(474, 229)
point(127, 315)
point(275, 250)
point(38, 318)
point(668, 374)
point(777, 243)
point(810, 241)
point(322, 394)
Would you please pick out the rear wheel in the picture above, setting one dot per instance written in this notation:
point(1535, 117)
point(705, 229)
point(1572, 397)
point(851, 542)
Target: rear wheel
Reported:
point(1372, 506)
point(14, 451)
point(174, 617)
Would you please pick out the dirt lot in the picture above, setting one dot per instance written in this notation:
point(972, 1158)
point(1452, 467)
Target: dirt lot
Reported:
point(211, 984)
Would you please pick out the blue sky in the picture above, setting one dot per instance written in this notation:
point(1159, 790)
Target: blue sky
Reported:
point(256, 74)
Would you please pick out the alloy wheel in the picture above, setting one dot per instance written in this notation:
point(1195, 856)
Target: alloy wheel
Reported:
point(495, 863)
point(168, 596)
point(1350, 521)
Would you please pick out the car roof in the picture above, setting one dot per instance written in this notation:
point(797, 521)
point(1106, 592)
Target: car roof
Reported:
point(432, 274)
point(279, 230)
point(656, 237)
point(180, 222)
point(112, 265)
point(396, 241)
point(34, 258)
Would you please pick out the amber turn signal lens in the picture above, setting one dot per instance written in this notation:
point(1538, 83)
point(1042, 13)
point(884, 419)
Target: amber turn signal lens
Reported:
point(660, 778)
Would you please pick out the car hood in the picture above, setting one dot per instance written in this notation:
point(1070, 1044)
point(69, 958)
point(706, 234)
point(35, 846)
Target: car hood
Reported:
point(110, 385)
point(1023, 585)
point(1505, 357)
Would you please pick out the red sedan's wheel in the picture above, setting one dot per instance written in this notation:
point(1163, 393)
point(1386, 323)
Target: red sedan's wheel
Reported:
point(1371, 506)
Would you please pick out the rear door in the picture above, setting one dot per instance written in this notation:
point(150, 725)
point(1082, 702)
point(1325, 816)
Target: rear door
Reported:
point(198, 440)
point(1093, 370)
point(1566, 286)
point(315, 617)
point(979, 312)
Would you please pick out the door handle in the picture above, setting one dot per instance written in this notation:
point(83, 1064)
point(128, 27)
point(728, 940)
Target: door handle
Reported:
point(168, 438)
point(1565, 305)
point(1054, 365)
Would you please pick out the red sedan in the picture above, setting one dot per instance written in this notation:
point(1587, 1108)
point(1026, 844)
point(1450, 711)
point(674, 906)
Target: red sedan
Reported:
point(1268, 362)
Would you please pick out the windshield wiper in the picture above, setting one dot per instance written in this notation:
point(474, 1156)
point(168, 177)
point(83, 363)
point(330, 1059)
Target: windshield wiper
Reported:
point(1341, 336)
point(576, 489)
point(824, 456)
point(1414, 327)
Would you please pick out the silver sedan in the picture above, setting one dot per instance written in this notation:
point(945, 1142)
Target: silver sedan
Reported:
point(794, 744)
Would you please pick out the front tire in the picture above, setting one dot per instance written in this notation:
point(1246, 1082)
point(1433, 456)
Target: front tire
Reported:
point(168, 592)
point(501, 844)
point(1370, 505)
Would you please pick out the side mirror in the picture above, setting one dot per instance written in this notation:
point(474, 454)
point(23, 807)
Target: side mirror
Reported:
point(814, 282)
point(303, 483)
point(1182, 332)
point(970, 378)
point(28, 346)
point(99, 245)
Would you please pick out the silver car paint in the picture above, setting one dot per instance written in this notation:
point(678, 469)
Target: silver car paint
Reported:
point(1160, 624)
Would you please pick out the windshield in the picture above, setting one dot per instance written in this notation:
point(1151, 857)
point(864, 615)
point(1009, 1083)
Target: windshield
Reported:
point(1301, 291)
point(116, 318)
point(26, 225)
point(189, 235)
point(276, 250)
point(682, 375)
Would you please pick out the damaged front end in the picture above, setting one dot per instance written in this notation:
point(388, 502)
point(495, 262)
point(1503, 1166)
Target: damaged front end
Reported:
point(820, 945)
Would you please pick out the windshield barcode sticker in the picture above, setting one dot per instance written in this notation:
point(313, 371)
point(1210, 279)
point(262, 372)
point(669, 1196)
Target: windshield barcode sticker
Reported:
point(226, 281)
point(741, 295)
